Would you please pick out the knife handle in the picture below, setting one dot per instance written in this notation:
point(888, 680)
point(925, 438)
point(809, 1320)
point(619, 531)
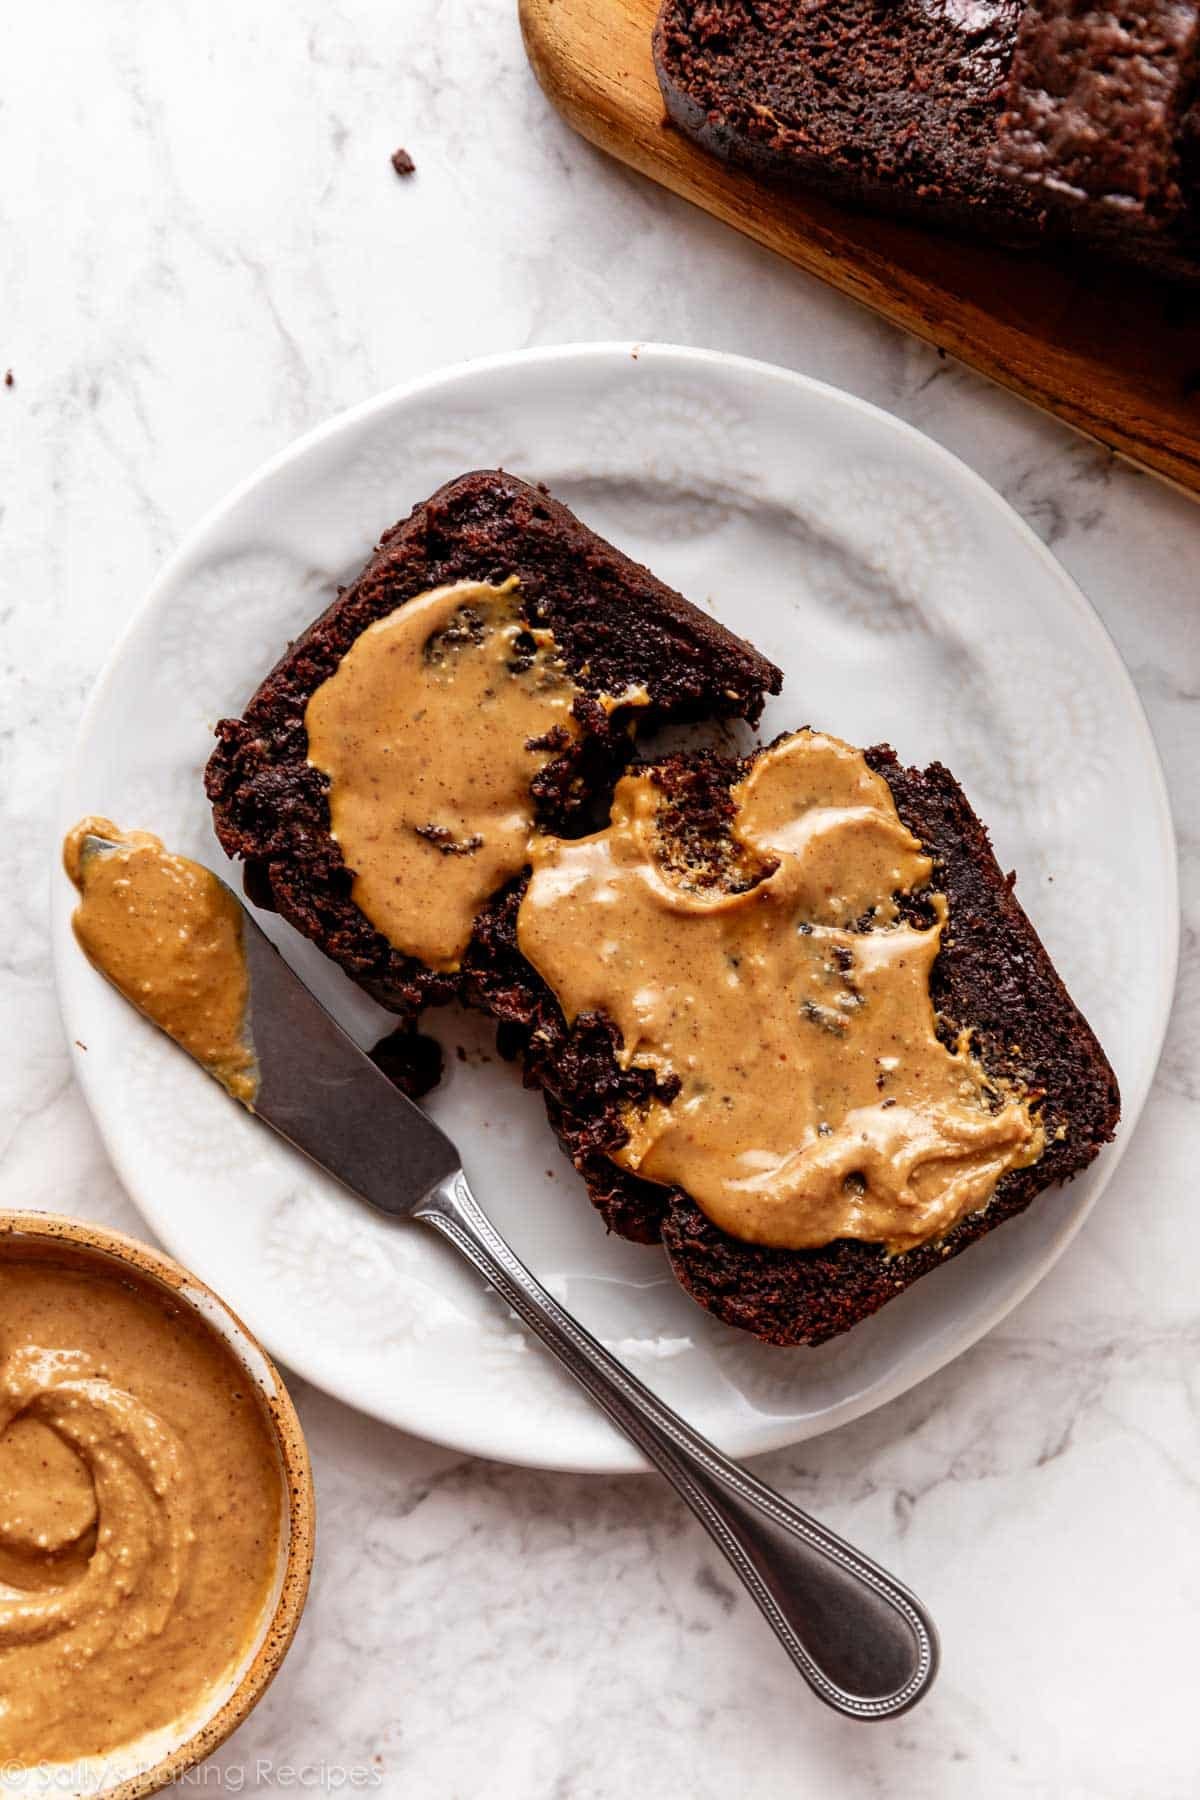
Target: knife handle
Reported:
point(864, 1644)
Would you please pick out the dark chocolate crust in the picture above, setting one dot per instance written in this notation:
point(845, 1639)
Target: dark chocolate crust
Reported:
point(616, 626)
point(992, 976)
point(897, 106)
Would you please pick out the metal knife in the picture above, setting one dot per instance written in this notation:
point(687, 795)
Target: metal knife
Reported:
point(863, 1642)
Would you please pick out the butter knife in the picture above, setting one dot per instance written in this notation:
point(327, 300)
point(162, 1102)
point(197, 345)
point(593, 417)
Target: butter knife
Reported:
point(863, 1642)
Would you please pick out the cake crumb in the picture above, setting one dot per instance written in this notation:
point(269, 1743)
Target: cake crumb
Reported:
point(9, 379)
point(403, 163)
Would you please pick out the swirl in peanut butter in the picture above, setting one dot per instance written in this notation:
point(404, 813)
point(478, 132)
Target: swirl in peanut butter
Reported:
point(790, 1001)
point(168, 934)
point(431, 730)
point(140, 1509)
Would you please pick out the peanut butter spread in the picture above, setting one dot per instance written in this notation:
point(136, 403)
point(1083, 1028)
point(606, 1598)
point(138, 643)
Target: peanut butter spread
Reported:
point(430, 730)
point(168, 934)
point(140, 1510)
point(815, 1099)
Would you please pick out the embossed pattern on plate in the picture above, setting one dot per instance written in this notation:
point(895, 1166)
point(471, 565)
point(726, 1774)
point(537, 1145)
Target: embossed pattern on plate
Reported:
point(903, 599)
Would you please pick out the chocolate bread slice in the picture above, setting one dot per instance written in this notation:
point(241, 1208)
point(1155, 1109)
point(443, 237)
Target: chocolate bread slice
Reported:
point(621, 636)
point(991, 978)
point(890, 105)
point(1025, 122)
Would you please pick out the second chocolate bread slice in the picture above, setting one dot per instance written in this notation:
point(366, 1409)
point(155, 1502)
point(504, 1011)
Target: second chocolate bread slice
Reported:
point(1013, 1043)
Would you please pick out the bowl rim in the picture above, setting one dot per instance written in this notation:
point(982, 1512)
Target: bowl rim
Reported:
point(105, 1243)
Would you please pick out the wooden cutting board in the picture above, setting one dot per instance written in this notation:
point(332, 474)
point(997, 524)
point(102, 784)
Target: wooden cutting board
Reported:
point(1111, 353)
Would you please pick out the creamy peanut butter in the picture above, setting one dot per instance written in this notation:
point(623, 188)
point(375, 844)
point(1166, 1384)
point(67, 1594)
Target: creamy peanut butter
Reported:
point(430, 730)
point(815, 1098)
point(141, 1504)
point(168, 934)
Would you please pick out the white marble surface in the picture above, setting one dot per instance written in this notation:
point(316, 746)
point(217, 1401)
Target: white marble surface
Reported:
point(206, 252)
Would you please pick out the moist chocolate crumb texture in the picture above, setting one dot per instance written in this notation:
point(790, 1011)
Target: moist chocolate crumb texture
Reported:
point(1055, 119)
point(532, 649)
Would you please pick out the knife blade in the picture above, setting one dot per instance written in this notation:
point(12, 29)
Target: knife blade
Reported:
point(321, 1092)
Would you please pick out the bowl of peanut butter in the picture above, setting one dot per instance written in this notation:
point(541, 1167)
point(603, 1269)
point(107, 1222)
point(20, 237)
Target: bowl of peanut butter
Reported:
point(156, 1515)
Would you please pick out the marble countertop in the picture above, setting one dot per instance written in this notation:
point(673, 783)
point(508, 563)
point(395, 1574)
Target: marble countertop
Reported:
point(207, 252)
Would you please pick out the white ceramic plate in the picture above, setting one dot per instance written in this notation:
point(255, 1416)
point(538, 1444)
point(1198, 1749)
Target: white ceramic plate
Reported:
point(904, 601)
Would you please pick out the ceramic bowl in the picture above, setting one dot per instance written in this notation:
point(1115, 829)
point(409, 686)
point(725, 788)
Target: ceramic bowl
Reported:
point(165, 1756)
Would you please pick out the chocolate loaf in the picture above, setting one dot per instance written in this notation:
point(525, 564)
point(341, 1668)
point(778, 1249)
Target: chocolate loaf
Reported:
point(1052, 121)
point(1101, 119)
point(992, 978)
point(617, 628)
